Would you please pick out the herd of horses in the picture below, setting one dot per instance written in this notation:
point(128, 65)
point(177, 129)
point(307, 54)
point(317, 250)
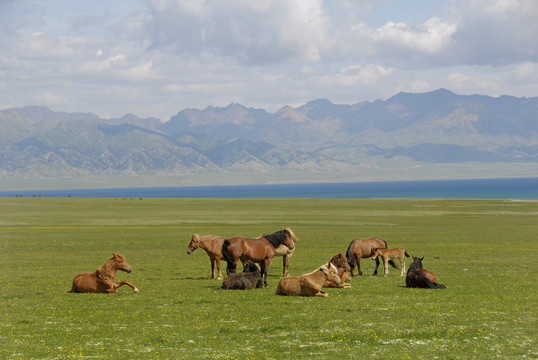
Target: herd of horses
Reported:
point(256, 254)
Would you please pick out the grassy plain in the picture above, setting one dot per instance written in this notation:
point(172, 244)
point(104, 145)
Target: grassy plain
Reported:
point(484, 251)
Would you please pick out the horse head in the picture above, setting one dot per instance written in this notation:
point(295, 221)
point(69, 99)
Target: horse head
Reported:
point(290, 239)
point(194, 244)
point(375, 252)
point(331, 273)
point(341, 262)
point(251, 267)
point(120, 263)
point(417, 263)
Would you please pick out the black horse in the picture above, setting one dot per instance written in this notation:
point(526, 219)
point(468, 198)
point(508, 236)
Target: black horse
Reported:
point(250, 278)
point(417, 277)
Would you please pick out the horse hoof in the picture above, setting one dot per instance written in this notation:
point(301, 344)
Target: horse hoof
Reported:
point(136, 290)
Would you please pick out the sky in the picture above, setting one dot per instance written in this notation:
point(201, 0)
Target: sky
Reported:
point(154, 58)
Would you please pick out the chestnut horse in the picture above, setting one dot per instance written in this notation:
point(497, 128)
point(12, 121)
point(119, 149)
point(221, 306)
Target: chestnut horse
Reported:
point(213, 247)
point(417, 277)
point(309, 284)
point(364, 248)
point(103, 280)
point(340, 262)
point(389, 254)
point(260, 250)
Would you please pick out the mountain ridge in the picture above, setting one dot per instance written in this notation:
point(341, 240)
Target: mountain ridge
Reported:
point(416, 129)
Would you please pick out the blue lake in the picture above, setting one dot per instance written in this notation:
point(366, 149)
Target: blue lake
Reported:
point(506, 188)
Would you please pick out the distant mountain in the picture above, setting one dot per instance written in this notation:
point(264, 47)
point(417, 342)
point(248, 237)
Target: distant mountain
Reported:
point(438, 127)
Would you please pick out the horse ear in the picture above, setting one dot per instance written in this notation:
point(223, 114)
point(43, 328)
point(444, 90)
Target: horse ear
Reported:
point(422, 258)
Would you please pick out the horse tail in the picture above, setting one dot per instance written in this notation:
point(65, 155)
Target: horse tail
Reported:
point(350, 257)
point(227, 256)
point(406, 254)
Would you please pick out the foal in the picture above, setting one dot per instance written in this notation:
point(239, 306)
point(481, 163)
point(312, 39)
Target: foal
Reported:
point(103, 280)
point(417, 277)
point(389, 254)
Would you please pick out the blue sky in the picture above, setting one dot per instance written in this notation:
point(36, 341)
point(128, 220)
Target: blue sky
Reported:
point(157, 57)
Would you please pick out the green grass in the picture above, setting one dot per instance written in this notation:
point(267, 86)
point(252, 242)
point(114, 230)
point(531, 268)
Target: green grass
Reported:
point(484, 251)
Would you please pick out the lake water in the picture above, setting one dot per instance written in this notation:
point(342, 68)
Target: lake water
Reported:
point(510, 188)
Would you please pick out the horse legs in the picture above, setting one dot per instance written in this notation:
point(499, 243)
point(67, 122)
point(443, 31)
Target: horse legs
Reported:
point(376, 265)
point(386, 266)
point(124, 283)
point(218, 269)
point(212, 267)
point(285, 264)
point(358, 258)
point(264, 269)
point(402, 263)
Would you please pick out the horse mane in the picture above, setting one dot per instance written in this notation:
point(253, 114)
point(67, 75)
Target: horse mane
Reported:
point(276, 239)
point(195, 238)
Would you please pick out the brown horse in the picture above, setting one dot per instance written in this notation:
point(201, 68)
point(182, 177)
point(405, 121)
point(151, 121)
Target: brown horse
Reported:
point(364, 248)
point(103, 280)
point(213, 247)
point(308, 284)
point(389, 254)
point(340, 262)
point(417, 277)
point(260, 250)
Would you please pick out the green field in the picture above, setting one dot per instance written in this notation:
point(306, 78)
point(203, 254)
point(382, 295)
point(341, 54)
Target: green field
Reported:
point(484, 251)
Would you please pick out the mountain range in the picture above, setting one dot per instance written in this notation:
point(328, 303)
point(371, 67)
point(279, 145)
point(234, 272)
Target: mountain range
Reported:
point(406, 131)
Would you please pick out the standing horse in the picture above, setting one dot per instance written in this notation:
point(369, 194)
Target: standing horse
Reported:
point(213, 247)
point(389, 254)
point(308, 284)
point(260, 250)
point(103, 280)
point(364, 248)
point(417, 277)
point(340, 262)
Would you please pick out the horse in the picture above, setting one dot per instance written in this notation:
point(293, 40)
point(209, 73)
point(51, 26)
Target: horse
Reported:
point(250, 278)
point(309, 284)
point(417, 277)
point(363, 248)
point(340, 262)
point(260, 250)
point(213, 247)
point(389, 254)
point(103, 280)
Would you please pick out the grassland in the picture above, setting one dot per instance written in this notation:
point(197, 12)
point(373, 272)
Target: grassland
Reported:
point(484, 251)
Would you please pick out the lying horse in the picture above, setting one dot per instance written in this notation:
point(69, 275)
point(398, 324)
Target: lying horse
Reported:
point(364, 248)
point(309, 284)
point(250, 278)
point(103, 280)
point(417, 277)
point(260, 250)
point(389, 254)
point(340, 262)
point(213, 247)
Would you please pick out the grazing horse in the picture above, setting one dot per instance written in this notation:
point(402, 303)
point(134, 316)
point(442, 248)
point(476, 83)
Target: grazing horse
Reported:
point(417, 277)
point(213, 247)
point(250, 278)
point(308, 284)
point(364, 248)
point(340, 262)
point(389, 254)
point(260, 250)
point(103, 280)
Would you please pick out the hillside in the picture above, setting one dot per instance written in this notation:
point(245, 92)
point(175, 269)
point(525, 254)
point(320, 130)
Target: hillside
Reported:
point(405, 131)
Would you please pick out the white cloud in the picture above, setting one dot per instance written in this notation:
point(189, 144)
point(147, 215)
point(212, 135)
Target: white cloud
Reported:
point(156, 57)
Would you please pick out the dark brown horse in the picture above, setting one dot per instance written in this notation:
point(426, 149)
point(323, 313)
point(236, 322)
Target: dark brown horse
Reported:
point(250, 278)
point(364, 248)
point(213, 247)
point(260, 250)
point(103, 280)
point(417, 277)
